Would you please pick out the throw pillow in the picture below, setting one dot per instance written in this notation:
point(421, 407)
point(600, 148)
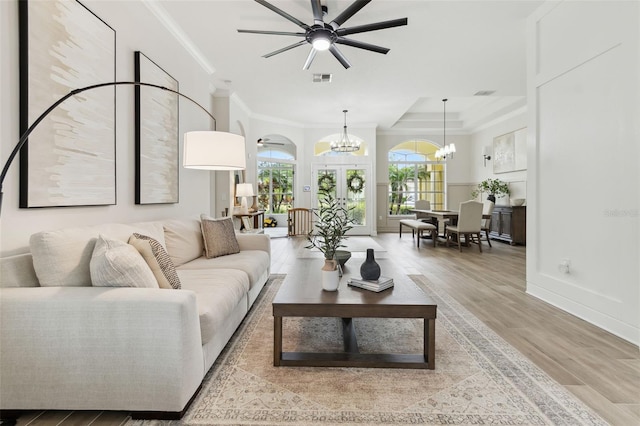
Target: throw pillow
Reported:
point(219, 236)
point(183, 240)
point(115, 263)
point(158, 260)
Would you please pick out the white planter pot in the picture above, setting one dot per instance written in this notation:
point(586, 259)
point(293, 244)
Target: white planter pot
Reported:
point(330, 280)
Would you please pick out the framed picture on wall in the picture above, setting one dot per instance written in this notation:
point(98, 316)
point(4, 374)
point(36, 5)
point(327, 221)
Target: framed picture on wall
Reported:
point(70, 158)
point(510, 151)
point(156, 134)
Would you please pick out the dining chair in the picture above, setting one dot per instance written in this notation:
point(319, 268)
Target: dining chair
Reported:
point(425, 205)
point(487, 210)
point(469, 224)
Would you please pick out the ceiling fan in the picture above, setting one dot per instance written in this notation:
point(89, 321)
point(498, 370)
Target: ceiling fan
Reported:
point(268, 141)
point(324, 36)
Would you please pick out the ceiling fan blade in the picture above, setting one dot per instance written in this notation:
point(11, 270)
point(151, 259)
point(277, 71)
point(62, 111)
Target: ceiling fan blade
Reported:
point(362, 45)
point(310, 59)
point(316, 6)
point(272, 32)
point(283, 14)
point(348, 13)
point(284, 49)
point(339, 56)
point(372, 27)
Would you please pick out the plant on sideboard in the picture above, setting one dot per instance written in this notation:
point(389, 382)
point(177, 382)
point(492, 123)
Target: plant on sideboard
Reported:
point(493, 187)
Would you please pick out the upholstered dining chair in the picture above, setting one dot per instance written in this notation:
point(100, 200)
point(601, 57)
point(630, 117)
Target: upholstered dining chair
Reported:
point(422, 205)
point(487, 210)
point(469, 224)
point(425, 205)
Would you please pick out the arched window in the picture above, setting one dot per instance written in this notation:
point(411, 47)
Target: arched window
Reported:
point(413, 176)
point(276, 171)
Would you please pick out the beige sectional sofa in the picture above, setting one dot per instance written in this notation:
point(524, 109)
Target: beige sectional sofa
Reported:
point(68, 345)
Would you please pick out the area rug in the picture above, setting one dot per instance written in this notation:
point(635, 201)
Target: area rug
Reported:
point(478, 379)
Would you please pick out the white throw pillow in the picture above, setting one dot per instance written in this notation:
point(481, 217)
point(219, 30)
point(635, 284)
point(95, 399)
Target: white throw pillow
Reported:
point(184, 240)
point(115, 263)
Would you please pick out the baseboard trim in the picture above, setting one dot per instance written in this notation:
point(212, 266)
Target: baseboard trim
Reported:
point(603, 321)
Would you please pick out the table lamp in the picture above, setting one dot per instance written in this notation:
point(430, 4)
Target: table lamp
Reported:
point(244, 190)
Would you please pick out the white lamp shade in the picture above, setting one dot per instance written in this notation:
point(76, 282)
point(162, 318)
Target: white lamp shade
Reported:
point(210, 150)
point(244, 190)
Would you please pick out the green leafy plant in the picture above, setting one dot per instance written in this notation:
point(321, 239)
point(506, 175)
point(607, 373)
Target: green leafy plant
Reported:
point(332, 223)
point(494, 187)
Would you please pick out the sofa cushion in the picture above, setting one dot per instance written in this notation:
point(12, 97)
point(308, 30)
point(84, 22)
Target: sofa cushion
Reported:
point(115, 263)
point(253, 262)
point(61, 257)
point(158, 260)
point(217, 294)
point(219, 237)
point(183, 239)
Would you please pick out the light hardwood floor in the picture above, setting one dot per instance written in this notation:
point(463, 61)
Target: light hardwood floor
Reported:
point(600, 369)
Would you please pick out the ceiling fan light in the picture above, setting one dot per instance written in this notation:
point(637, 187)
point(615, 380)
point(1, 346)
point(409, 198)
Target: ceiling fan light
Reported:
point(321, 43)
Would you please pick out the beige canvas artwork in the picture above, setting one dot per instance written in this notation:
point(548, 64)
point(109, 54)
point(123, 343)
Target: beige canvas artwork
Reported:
point(156, 134)
point(70, 157)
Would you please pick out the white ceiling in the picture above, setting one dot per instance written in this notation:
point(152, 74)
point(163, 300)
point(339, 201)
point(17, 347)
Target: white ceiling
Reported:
point(450, 49)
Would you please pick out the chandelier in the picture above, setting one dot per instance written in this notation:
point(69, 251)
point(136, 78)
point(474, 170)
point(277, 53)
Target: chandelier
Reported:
point(344, 144)
point(446, 150)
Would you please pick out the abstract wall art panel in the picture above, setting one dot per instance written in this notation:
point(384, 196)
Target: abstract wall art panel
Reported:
point(70, 157)
point(510, 152)
point(157, 139)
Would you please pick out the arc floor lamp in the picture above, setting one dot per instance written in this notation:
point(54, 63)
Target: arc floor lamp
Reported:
point(205, 150)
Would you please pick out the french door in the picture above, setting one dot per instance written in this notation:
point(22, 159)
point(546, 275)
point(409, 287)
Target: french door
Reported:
point(351, 186)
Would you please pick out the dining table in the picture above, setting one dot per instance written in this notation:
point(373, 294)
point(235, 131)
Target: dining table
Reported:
point(452, 215)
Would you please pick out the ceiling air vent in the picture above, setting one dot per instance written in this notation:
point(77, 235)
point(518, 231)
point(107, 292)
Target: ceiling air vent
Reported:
point(322, 78)
point(484, 93)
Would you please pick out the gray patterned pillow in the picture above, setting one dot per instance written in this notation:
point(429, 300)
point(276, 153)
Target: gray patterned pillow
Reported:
point(158, 260)
point(219, 236)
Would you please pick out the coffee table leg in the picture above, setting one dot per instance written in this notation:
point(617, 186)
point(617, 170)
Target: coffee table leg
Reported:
point(430, 342)
point(277, 340)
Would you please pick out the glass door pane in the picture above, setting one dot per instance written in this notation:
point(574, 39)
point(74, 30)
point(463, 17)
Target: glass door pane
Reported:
point(355, 190)
point(349, 185)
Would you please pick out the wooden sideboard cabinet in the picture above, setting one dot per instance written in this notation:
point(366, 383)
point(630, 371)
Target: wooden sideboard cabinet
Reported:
point(509, 223)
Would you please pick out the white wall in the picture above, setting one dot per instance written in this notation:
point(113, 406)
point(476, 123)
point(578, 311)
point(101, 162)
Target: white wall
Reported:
point(127, 18)
point(583, 197)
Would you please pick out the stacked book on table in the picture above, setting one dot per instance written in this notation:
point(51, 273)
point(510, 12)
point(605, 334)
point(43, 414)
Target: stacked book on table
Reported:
point(378, 285)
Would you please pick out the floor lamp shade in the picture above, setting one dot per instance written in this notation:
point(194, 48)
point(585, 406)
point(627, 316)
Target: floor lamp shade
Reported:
point(210, 150)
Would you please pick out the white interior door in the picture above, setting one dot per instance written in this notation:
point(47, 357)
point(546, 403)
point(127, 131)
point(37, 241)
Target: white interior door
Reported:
point(351, 188)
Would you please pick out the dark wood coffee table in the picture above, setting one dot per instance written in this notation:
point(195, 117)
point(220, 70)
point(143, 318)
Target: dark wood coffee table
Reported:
point(305, 298)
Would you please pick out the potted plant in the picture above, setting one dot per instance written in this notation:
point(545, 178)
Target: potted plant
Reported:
point(494, 187)
point(331, 226)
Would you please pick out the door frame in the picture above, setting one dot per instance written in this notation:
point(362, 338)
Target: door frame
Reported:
point(366, 229)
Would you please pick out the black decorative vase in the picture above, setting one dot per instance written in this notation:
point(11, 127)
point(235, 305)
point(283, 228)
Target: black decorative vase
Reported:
point(491, 197)
point(370, 270)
